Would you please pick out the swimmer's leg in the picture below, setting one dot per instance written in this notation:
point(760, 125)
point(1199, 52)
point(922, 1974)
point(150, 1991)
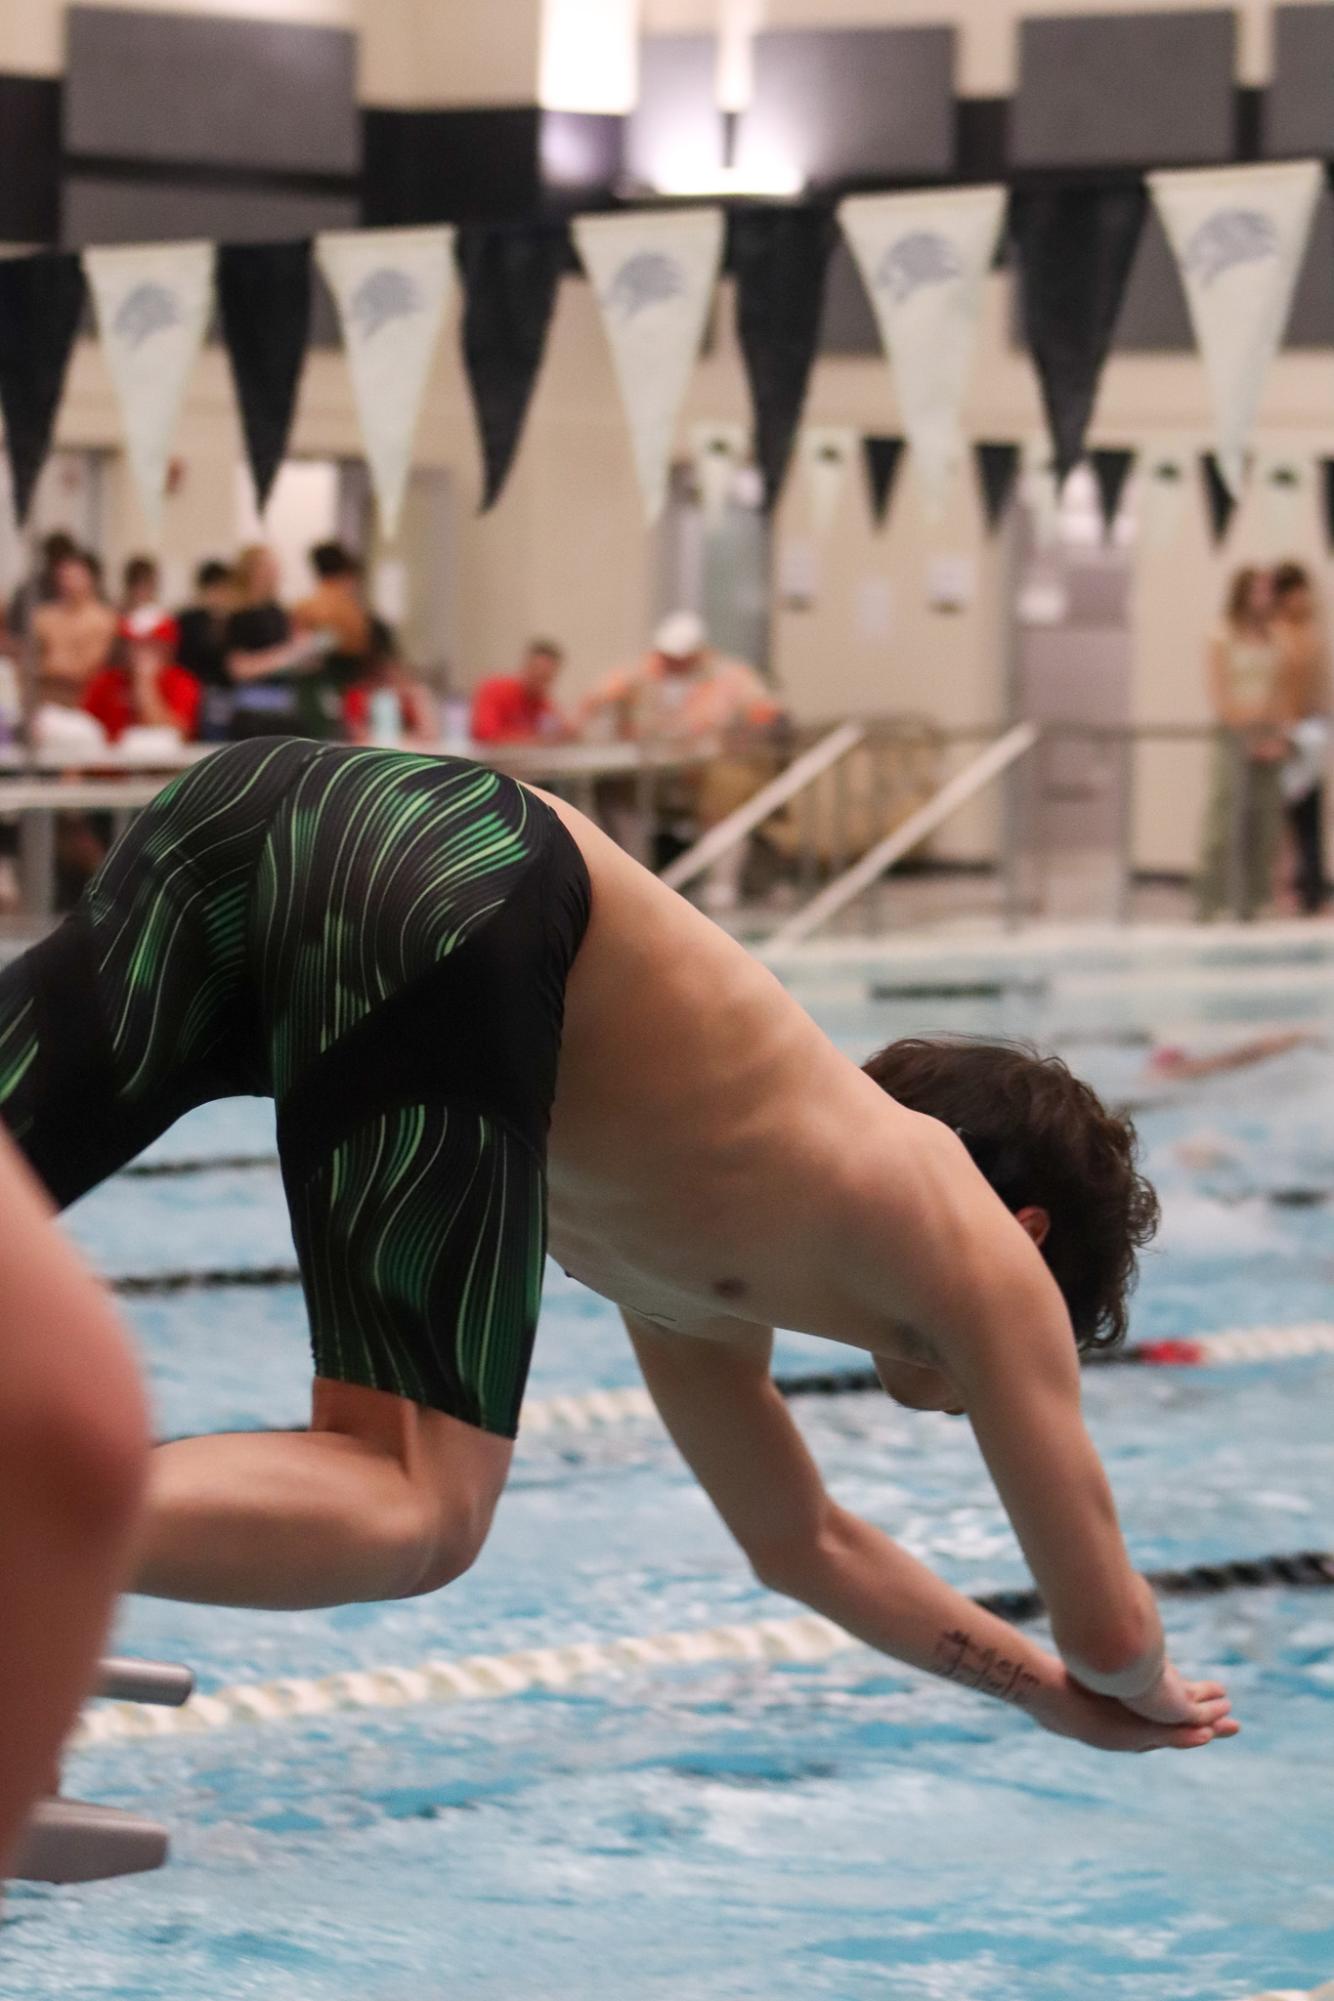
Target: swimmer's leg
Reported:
point(422, 1242)
point(379, 1499)
point(73, 1449)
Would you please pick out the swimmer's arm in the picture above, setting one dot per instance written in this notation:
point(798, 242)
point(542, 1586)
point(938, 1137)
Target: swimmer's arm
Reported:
point(952, 1264)
point(715, 1394)
point(73, 1457)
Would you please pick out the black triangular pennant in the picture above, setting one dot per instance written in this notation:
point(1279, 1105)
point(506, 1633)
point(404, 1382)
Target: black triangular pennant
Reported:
point(1327, 490)
point(997, 471)
point(1112, 467)
point(779, 257)
point(1222, 501)
point(881, 458)
point(41, 305)
point(510, 279)
point(264, 293)
point(1075, 246)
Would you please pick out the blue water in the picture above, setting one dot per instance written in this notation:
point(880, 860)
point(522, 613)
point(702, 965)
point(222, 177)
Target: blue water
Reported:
point(845, 1830)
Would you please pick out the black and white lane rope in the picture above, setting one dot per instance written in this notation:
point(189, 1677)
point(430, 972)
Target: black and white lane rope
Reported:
point(802, 1639)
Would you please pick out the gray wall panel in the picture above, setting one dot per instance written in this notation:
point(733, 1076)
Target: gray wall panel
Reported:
point(117, 211)
point(848, 104)
point(676, 124)
point(1125, 89)
point(1299, 104)
point(207, 89)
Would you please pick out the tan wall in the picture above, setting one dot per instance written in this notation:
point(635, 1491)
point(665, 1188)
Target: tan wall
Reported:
point(566, 552)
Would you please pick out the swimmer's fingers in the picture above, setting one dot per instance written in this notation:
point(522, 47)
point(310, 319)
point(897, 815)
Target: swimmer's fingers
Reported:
point(1072, 1711)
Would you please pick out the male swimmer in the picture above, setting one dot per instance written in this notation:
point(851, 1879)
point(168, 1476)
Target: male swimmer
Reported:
point(463, 997)
point(73, 1455)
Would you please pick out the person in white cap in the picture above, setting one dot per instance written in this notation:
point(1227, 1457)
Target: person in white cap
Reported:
point(684, 690)
point(684, 687)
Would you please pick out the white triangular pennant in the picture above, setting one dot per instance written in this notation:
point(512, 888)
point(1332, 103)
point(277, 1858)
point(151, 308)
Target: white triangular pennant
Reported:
point(1165, 479)
point(717, 452)
point(924, 261)
point(153, 303)
point(1239, 235)
point(391, 287)
point(827, 452)
point(654, 276)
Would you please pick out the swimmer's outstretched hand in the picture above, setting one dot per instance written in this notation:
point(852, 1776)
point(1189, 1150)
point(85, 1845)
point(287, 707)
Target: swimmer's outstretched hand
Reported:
point(1200, 1713)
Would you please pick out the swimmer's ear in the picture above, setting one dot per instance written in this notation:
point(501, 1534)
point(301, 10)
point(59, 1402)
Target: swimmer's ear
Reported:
point(1037, 1223)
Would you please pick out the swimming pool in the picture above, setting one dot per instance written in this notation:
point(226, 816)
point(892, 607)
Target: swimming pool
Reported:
point(829, 1828)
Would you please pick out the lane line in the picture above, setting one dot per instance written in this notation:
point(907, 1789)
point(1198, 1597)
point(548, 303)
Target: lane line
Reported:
point(804, 1638)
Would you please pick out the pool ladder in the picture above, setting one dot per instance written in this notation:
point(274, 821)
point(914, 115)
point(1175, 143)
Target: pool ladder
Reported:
point(74, 1841)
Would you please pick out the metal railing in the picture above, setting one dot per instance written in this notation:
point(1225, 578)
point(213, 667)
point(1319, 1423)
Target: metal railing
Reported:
point(997, 759)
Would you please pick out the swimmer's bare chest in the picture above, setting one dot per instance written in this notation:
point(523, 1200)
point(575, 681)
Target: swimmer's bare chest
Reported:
point(687, 1239)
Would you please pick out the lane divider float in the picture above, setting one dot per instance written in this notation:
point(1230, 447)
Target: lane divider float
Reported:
point(804, 1639)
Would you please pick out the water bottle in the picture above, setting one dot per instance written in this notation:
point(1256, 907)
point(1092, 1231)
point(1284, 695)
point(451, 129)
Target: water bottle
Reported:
point(386, 719)
point(457, 720)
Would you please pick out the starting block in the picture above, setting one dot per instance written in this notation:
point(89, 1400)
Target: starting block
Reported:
point(73, 1841)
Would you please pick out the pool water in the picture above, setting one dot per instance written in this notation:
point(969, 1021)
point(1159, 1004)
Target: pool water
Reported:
point(842, 1829)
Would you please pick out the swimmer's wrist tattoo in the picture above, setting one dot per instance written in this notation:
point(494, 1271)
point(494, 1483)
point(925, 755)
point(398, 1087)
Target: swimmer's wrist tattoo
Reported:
point(959, 1658)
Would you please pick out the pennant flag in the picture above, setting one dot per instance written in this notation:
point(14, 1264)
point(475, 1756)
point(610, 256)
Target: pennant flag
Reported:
point(779, 256)
point(154, 302)
point(1238, 235)
point(827, 450)
point(264, 304)
point(511, 277)
point(1286, 505)
point(1327, 486)
point(997, 472)
point(1221, 495)
point(391, 288)
point(1112, 467)
point(716, 453)
point(654, 275)
point(1075, 248)
point(41, 303)
point(1162, 497)
point(882, 458)
point(924, 260)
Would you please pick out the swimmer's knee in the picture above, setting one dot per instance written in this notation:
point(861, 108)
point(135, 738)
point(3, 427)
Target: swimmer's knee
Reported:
point(450, 1542)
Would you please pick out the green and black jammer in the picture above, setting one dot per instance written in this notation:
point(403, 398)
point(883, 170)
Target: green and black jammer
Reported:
point(380, 942)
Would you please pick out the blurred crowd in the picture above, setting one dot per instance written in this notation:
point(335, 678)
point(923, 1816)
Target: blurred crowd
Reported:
point(1268, 668)
point(233, 662)
point(126, 668)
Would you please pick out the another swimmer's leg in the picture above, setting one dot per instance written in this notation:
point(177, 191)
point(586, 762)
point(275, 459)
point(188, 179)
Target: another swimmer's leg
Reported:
point(379, 1499)
point(73, 1450)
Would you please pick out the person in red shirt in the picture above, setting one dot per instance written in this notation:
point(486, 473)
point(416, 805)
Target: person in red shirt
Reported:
point(144, 687)
point(517, 708)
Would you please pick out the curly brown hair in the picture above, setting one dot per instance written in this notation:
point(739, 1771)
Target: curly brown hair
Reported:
point(1044, 1138)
